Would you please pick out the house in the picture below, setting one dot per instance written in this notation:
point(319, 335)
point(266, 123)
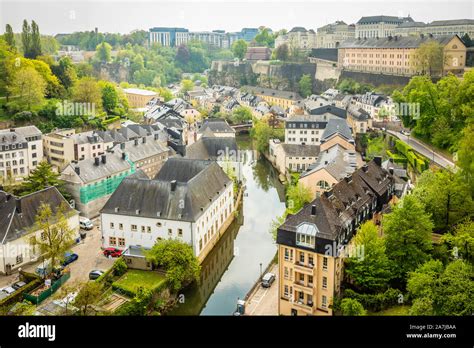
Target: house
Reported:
point(139, 98)
point(190, 200)
point(21, 150)
point(313, 243)
point(375, 105)
point(297, 38)
point(17, 225)
point(283, 99)
point(216, 126)
point(359, 120)
point(224, 150)
point(289, 158)
point(338, 132)
point(258, 53)
point(342, 101)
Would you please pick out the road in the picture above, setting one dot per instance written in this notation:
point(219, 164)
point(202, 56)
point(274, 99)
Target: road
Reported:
point(423, 149)
point(264, 301)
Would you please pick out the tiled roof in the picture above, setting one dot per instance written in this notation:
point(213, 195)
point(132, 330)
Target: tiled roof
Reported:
point(395, 42)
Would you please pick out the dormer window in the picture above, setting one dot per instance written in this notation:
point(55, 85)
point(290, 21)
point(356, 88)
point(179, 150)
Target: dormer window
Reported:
point(306, 235)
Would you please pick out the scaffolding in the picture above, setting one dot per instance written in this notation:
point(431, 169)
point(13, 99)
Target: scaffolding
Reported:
point(104, 187)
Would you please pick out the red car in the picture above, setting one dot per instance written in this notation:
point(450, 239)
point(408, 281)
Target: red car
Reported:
point(114, 252)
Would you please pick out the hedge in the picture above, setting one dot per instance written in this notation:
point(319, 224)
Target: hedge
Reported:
point(375, 302)
point(110, 120)
point(33, 282)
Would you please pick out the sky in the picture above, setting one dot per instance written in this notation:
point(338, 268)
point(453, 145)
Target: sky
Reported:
point(123, 16)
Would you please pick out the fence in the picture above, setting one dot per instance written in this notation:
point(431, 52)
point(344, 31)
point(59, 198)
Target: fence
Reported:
point(48, 292)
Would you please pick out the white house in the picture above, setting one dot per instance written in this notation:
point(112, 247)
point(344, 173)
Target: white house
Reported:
point(190, 200)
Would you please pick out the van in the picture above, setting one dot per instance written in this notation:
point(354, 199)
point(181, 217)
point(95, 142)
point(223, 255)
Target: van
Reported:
point(85, 223)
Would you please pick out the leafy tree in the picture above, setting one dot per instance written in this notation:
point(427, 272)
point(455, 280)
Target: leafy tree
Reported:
point(352, 307)
point(372, 271)
point(110, 97)
point(262, 133)
point(445, 196)
point(239, 48)
point(87, 90)
point(26, 39)
point(56, 236)
point(165, 93)
point(467, 40)
point(187, 85)
point(422, 306)
point(282, 52)
point(183, 55)
point(40, 178)
point(421, 281)
point(305, 85)
point(466, 156)
point(178, 259)
point(264, 38)
point(297, 196)
point(9, 36)
point(461, 241)
point(241, 114)
point(65, 72)
point(103, 52)
point(138, 306)
point(29, 89)
point(35, 49)
point(429, 58)
point(407, 232)
point(89, 294)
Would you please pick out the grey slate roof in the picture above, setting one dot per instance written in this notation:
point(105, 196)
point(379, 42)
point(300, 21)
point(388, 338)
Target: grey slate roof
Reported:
point(273, 93)
point(198, 184)
point(212, 148)
point(358, 113)
point(142, 150)
point(337, 126)
point(296, 150)
point(336, 160)
point(15, 223)
point(216, 125)
point(395, 42)
point(329, 109)
point(378, 19)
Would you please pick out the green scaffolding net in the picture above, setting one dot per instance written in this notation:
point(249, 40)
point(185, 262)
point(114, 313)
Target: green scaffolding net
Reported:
point(104, 187)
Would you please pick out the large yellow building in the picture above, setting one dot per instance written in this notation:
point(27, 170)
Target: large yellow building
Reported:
point(395, 55)
point(283, 99)
point(312, 243)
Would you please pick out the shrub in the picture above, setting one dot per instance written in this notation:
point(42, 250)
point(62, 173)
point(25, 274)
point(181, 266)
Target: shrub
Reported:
point(375, 302)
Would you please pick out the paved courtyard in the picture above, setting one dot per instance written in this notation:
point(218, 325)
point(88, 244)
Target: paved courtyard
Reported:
point(264, 301)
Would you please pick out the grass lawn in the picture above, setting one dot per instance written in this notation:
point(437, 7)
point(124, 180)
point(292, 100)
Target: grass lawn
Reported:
point(135, 278)
point(396, 310)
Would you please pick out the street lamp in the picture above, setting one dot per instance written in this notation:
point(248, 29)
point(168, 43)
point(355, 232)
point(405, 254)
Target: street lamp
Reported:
point(260, 270)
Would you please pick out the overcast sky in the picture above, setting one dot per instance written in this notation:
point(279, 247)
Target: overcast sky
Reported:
point(124, 16)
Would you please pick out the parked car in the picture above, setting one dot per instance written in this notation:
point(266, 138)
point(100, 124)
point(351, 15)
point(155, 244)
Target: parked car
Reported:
point(8, 290)
point(18, 285)
point(113, 252)
point(94, 274)
point(69, 257)
point(268, 279)
point(85, 223)
point(405, 132)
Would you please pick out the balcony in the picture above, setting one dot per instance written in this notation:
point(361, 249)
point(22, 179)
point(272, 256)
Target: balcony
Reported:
point(306, 307)
point(304, 268)
point(301, 286)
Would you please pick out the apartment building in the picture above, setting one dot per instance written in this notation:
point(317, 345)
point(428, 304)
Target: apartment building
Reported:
point(283, 99)
point(379, 26)
point(312, 243)
point(458, 27)
point(331, 35)
point(139, 98)
point(395, 55)
point(292, 158)
point(189, 200)
point(17, 226)
point(298, 38)
point(359, 120)
point(374, 104)
point(21, 150)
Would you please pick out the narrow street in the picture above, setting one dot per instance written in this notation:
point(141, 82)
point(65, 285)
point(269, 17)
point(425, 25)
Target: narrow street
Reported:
point(264, 301)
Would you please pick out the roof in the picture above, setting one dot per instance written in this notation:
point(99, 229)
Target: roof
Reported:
point(333, 110)
point(378, 19)
point(216, 125)
point(26, 131)
point(273, 93)
point(336, 160)
point(395, 42)
point(337, 126)
point(358, 113)
point(198, 183)
point(298, 29)
point(329, 54)
point(14, 222)
point(297, 150)
point(212, 148)
point(142, 148)
point(451, 22)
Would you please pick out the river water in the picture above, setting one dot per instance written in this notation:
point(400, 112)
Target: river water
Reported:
point(245, 249)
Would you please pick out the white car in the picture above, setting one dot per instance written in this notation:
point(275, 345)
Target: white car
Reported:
point(405, 132)
point(8, 290)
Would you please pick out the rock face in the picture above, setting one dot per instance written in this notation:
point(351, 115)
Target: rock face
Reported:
point(282, 76)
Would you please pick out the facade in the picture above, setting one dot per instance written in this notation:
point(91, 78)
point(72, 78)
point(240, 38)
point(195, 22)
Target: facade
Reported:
point(292, 158)
point(190, 200)
point(458, 27)
point(395, 55)
point(379, 26)
point(139, 98)
point(17, 217)
point(359, 120)
point(374, 104)
point(168, 37)
point(331, 35)
point(298, 38)
point(313, 243)
point(283, 99)
point(21, 150)
point(258, 53)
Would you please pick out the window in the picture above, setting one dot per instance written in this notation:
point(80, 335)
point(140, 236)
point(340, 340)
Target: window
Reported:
point(121, 242)
point(19, 259)
point(148, 229)
point(301, 257)
point(134, 228)
point(285, 291)
point(143, 229)
point(310, 280)
point(325, 282)
point(111, 225)
point(158, 224)
point(325, 263)
point(170, 232)
point(310, 260)
point(113, 241)
point(200, 244)
point(286, 273)
point(120, 226)
point(305, 240)
point(324, 301)
point(287, 254)
point(180, 232)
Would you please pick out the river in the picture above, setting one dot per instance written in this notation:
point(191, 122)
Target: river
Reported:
point(245, 249)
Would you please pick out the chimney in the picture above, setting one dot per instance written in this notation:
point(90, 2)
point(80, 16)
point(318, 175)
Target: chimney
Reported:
point(18, 205)
point(313, 210)
point(348, 178)
point(104, 159)
point(391, 171)
point(77, 170)
point(156, 136)
point(96, 161)
point(136, 141)
point(124, 156)
point(378, 160)
point(365, 168)
point(122, 146)
point(173, 185)
point(144, 140)
point(328, 193)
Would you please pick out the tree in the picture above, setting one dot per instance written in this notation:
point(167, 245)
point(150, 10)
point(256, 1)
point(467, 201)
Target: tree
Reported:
point(372, 271)
point(26, 39)
point(421, 282)
point(407, 232)
point(241, 114)
point(29, 89)
point(297, 196)
point(461, 241)
point(282, 52)
point(183, 55)
point(239, 48)
point(110, 97)
point(352, 307)
point(445, 195)
point(56, 235)
point(138, 306)
point(264, 38)
point(466, 156)
point(87, 90)
point(65, 72)
point(467, 40)
point(9, 36)
point(305, 85)
point(103, 52)
point(429, 58)
point(90, 292)
point(422, 306)
point(261, 133)
point(35, 49)
point(40, 178)
point(165, 93)
point(186, 85)
point(178, 259)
